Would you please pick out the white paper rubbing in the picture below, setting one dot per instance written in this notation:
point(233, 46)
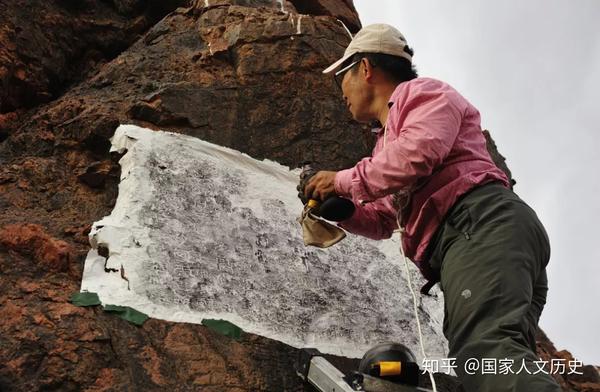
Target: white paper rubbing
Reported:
point(204, 231)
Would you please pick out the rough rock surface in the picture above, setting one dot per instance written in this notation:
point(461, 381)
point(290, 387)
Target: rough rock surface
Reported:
point(244, 74)
point(48, 45)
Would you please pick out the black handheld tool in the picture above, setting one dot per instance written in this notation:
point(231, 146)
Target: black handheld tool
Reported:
point(335, 208)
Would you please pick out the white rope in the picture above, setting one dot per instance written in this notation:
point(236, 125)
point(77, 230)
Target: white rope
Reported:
point(346, 28)
point(412, 291)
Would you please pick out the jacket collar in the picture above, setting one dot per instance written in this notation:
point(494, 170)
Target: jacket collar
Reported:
point(375, 127)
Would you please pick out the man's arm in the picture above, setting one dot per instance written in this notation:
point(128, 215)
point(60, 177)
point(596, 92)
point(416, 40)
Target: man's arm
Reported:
point(432, 119)
point(369, 221)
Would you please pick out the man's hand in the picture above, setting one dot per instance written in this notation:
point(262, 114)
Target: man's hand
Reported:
point(320, 186)
point(305, 176)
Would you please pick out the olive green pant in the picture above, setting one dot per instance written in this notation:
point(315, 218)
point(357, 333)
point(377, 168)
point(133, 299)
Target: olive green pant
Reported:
point(491, 252)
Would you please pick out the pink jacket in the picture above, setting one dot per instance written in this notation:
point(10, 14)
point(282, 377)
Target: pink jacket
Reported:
point(434, 152)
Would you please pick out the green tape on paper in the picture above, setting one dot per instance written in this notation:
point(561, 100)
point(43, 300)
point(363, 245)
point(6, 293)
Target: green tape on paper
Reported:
point(223, 327)
point(85, 299)
point(127, 313)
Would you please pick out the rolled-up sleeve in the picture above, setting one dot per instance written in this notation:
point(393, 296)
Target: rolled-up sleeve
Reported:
point(430, 119)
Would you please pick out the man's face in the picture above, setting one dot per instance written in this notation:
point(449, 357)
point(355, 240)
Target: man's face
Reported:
point(356, 93)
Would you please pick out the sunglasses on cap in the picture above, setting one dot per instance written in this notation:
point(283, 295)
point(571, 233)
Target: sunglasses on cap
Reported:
point(339, 75)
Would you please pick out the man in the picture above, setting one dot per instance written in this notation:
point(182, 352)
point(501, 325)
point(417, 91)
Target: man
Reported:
point(460, 223)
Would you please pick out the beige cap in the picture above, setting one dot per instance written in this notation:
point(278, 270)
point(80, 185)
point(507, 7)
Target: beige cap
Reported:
point(375, 38)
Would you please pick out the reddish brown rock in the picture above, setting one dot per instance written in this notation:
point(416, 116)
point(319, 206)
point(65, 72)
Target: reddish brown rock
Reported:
point(584, 378)
point(215, 73)
point(341, 9)
point(32, 240)
point(97, 173)
point(45, 46)
point(5, 120)
point(47, 343)
point(263, 95)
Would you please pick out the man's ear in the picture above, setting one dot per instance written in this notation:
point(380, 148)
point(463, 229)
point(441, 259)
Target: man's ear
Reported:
point(367, 69)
